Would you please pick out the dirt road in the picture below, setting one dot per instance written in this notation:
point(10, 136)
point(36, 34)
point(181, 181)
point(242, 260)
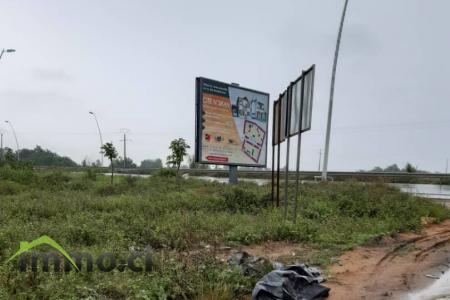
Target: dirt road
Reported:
point(392, 267)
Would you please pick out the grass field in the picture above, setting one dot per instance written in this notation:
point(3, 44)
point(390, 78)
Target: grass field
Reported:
point(180, 219)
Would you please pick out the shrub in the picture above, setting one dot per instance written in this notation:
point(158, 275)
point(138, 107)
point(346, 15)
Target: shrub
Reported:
point(81, 185)
point(130, 181)
point(91, 174)
point(20, 175)
point(165, 172)
point(109, 190)
point(9, 188)
point(55, 179)
point(239, 199)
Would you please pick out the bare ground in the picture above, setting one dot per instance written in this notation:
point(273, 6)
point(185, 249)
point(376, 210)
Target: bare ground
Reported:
point(393, 266)
point(387, 268)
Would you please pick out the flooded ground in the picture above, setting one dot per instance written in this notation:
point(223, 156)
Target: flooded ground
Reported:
point(225, 180)
point(434, 191)
point(439, 290)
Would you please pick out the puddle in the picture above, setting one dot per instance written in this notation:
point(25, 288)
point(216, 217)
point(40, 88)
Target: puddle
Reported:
point(438, 290)
point(435, 191)
point(225, 180)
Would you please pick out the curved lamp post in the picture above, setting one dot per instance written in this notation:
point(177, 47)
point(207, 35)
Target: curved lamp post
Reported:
point(99, 133)
point(15, 137)
point(6, 51)
point(2, 132)
point(330, 105)
point(12, 128)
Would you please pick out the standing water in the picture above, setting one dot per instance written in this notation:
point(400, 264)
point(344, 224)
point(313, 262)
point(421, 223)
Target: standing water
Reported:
point(439, 290)
point(435, 191)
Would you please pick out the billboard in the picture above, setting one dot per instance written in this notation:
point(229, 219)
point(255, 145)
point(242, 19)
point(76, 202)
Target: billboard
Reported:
point(296, 104)
point(308, 93)
point(280, 119)
point(296, 108)
point(231, 124)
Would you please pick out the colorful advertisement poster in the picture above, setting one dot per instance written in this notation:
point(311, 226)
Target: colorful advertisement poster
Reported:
point(232, 124)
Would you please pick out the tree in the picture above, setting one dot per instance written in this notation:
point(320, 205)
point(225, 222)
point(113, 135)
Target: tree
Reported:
point(410, 168)
point(85, 162)
point(151, 164)
point(111, 153)
point(128, 163)
point(377, 169)
point(10, 160)
point(10, 157)
point(179, 151)
point(44, 157)
point(392, 168)
point(194, 165)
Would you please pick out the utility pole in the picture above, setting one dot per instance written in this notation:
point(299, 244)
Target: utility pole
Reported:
point(320, 158)
point(446, 166)
point(124, 149)
point(330, 105)
point(125, 131)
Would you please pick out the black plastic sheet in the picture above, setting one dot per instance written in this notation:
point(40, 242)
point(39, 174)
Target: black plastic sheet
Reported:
point(296, 282)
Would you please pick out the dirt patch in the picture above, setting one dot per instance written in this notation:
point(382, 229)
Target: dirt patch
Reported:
point(275, 250)
point(389, 267)
point(284, 252)
point(392, 266)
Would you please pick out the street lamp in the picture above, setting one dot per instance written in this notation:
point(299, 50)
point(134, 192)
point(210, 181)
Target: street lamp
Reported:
point(330, 105)
point(7, 51)
point(15, 137)
point(2, 132)
point(100, 134)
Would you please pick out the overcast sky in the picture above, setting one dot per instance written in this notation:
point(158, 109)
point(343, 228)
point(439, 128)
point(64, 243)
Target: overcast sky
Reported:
point(134, 63)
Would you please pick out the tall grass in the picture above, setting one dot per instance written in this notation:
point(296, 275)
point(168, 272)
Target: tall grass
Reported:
point(173, 215)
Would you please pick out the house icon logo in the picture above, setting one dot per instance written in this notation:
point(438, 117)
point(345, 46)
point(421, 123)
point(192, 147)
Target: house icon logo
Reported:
point(43, 240)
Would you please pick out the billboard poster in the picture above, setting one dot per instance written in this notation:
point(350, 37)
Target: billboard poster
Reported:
point(308, 93)
point(280, 119)
point(232, 124)
point(296, 104)
point(301, 102)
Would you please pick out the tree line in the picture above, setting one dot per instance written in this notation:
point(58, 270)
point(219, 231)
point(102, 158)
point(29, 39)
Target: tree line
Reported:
point(45, 158)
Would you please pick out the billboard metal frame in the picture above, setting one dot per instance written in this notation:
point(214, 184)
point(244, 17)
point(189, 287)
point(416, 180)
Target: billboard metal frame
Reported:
point(199, 128)
point(276, 143)
point(288, 111)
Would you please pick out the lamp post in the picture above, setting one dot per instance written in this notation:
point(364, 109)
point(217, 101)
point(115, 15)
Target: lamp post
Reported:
point(330, 105)
point(6, 51)
point(15, 137)
point(2, 132)
point(100, 135)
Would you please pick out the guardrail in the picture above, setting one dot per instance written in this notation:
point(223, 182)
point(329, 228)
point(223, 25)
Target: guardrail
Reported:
point(336, 175)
